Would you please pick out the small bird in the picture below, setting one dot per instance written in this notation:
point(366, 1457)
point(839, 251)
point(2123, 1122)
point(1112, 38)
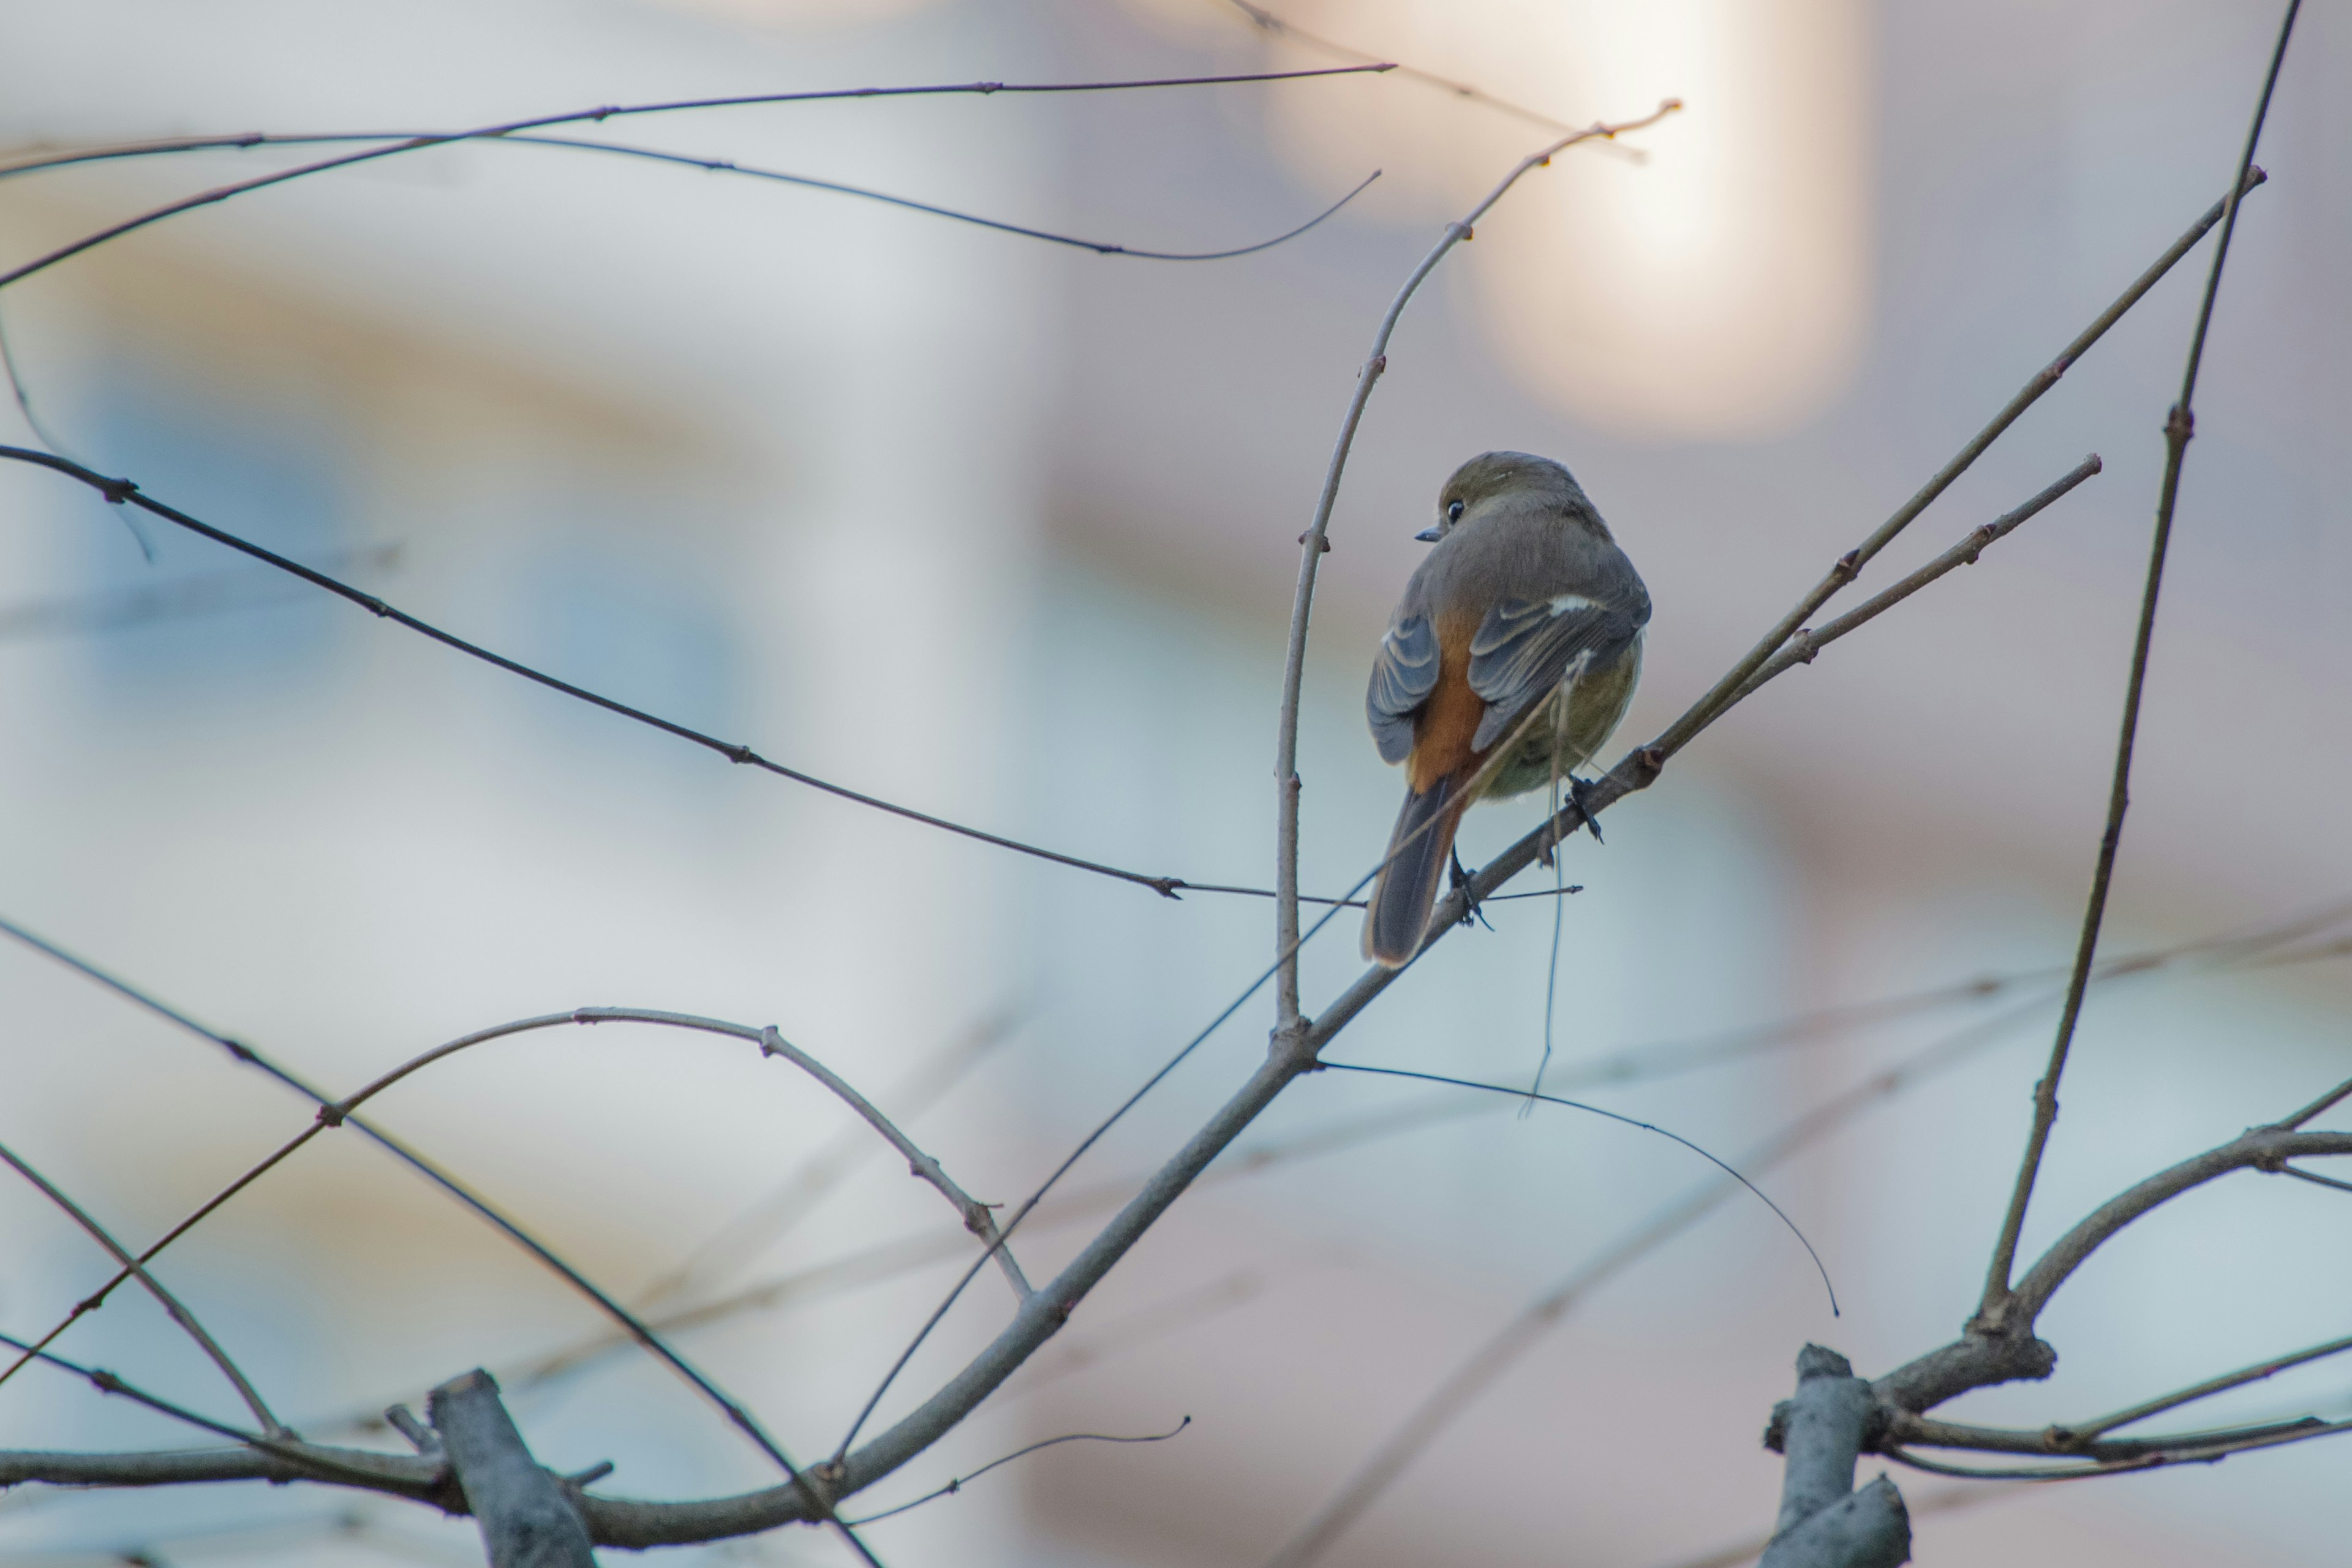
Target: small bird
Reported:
point(1526, 594)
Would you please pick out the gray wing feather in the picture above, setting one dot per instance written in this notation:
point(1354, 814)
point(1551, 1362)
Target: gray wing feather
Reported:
point(1525, 647)
point(1405, 672)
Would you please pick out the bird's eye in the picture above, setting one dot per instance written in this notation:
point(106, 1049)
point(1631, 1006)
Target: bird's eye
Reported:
point(1453, 512)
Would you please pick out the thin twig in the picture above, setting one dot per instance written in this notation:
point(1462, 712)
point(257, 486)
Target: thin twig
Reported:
point(773, 1216)
point(121, 490)
point(284, 1457)
point(1268, 22)
point(168, 1302)
point(2071, 1432)
point(1527, 1094)
point(961, 1482)
point(1728, 690)
point(2177, 429)
point(611, 111)
point(2197, 1454)
point(414, 139)
point(1806, 643)
point(1314, 542)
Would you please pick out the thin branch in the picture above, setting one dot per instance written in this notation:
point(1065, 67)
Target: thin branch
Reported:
point(413, 139)
point(1268, 22)
point(1806, 643)
point(2200, 1454)
point(121, 490)
point(2070, 1433)
point(2259, 1149)
point(2325, 1102)
point(2314, 1177)
point(181, 598)
point(961, 1482)
point(168, 1302)
point(302, 1461)
point(1728, 690)
point(1314, 542)
point(2006, 1349)
point(610, 111)
point(1524, 1095)
point(2177, 429)
point(773, 1216)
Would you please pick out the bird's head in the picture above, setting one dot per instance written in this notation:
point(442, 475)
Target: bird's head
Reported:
point(1492, 478)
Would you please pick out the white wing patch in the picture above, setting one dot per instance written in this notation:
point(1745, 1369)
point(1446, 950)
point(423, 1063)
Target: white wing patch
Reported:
point(1562, 604)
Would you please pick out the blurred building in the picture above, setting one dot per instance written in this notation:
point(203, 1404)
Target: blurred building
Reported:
point(1005, 531)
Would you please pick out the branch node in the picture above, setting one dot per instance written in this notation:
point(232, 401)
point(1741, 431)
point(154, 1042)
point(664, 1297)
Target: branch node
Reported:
point(1166, 887)
point(591, 1476)
point(2180, 424)
point(1323, 546)
point(331, 1115)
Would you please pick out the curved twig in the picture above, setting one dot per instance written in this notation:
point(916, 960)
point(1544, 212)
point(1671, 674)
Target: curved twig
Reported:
point(609, 111)
point(414, 139)
point(959, 1482)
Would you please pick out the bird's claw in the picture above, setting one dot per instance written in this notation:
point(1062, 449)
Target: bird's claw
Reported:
point(1457, 877)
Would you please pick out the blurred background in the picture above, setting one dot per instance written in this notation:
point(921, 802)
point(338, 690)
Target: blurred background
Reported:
point(1005, 531)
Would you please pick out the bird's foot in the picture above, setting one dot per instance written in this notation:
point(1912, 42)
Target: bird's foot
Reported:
point(1580, 790)
point(1457, 877)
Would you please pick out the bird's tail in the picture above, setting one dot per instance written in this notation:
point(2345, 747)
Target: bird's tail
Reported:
point(1418, 852)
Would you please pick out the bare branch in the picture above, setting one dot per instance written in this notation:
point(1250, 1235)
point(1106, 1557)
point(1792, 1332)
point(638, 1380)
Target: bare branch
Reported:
point(959, 1482)
point(2177, 427)
point(2216, 1448)
point(773, 1215)
point(125, 490)
point(609, 111)
point(2071, 1432)
point(1806, 643)
point(168, 1302)
point(1708, 709)
point(1315, 541)
point(411, 140)
point(2005, 1349)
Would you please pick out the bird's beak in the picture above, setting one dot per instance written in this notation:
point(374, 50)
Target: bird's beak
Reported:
point(1430, 534)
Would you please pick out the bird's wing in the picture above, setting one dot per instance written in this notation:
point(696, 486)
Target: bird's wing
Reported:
point(1525, 647)
point(1405, 672)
